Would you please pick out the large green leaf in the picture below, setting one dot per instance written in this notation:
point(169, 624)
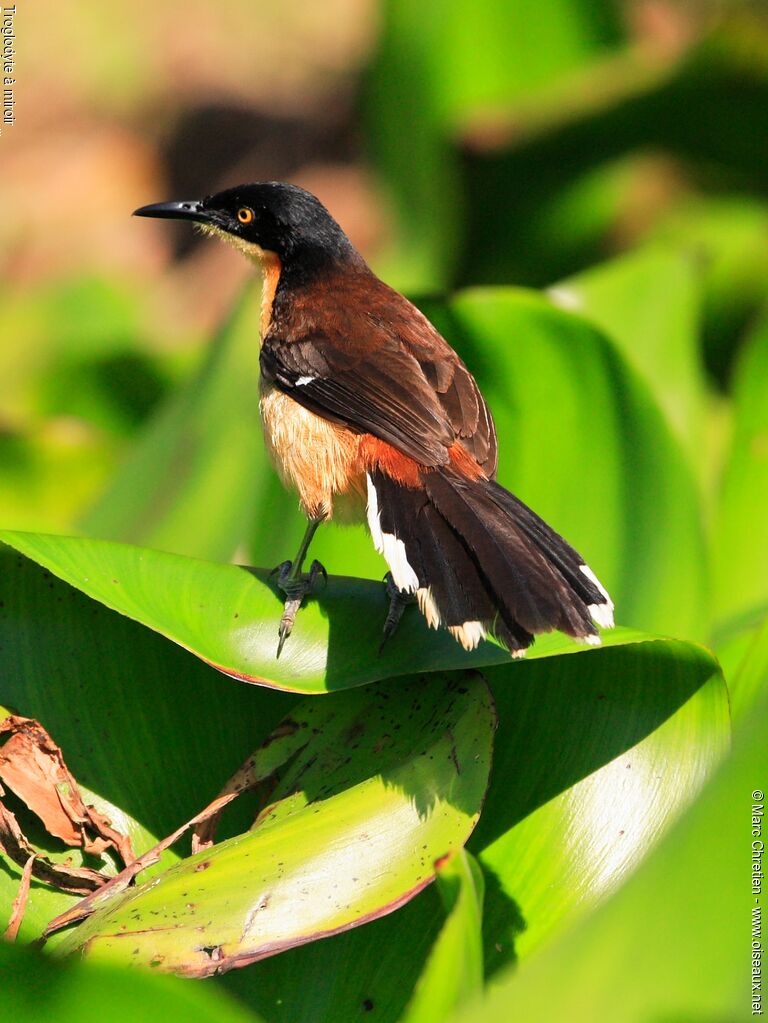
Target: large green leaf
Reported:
point(454, 971)
point(593, 758)
point(648, 303)
point(591, 764)
point(33, 987)
point(192, 482)
point(228, 616)
point(382, 784)
point(148, 730)
point(590, 786)
point(186, 727)
point(630, 960)
point(741, 536)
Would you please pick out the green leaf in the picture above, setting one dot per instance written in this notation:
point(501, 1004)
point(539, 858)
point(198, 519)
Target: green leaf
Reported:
point(583, 790)
point(192, 482)
point(316, 981)
point(648, 303)
point(633, 952)
point(228, 616)
point(751, 680)
point(582, 441)
point(454, 970)
point(185, 728)
point(381, 785)
point(33, 987)
point(568, 728)
point(148, 730)
point(741, 544)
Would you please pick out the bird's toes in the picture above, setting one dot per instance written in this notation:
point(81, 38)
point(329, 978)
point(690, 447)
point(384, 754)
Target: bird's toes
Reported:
point(399, 600)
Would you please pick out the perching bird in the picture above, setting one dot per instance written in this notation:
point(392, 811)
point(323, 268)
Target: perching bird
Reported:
point(364, 403)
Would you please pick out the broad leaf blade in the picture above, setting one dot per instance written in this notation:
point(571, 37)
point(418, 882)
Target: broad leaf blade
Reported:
point(550, 838)
point(589, 787)
point(629, 953)
point(454, 971)
point(187, 728)
point(228, 616)
point(389, 783)
point(648, 303)
point(148, 730)
point(31, 984)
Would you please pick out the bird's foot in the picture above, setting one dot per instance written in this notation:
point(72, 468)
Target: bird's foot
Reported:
point(399, 600)
point(295, 586)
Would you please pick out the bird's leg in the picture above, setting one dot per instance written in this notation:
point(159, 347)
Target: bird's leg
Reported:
point(294, 585)
point(399, 600)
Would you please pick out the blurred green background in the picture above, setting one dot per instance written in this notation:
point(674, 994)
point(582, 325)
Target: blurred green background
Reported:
point(459, 144)
point(611, 154)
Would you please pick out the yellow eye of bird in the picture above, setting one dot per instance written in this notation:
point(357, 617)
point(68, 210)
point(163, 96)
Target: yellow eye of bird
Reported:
point(245, 215)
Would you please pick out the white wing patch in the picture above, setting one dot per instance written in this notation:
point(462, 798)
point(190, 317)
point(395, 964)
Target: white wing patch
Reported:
point(303, 381)
point(388, 544)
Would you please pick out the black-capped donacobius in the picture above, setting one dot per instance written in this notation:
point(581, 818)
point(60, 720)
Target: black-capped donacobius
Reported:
point(362, 400)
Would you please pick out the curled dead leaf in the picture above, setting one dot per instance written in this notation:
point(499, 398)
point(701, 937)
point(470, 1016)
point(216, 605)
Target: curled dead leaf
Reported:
point(33, 767)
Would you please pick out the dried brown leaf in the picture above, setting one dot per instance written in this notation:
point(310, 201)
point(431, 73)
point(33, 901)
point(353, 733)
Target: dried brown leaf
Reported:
point(33, 767)
point(20, 902)
point(15, 846)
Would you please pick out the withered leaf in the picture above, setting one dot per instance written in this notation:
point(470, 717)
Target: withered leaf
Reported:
point(20, 902)
point(33, 767)
point(15, 846)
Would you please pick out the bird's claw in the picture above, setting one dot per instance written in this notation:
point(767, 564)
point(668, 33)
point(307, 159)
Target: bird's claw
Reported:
point(399, 600)
point(295, 588)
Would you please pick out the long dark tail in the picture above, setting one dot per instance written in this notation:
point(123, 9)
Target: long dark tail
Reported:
point(480, 561)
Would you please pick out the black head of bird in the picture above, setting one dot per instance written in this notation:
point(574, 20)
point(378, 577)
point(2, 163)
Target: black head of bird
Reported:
point(271, 217)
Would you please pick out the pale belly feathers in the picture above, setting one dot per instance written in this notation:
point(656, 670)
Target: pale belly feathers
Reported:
point(315, 457)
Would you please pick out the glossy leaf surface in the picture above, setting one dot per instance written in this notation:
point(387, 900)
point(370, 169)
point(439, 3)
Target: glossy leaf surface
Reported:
point(453, 974)
point(648, 303)
point(387, 781)
point(630, 953)
point(592, 784)
point(228, 616)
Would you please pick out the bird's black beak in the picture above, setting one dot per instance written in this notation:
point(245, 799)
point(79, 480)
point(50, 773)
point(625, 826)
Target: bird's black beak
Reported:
point(192, 210)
